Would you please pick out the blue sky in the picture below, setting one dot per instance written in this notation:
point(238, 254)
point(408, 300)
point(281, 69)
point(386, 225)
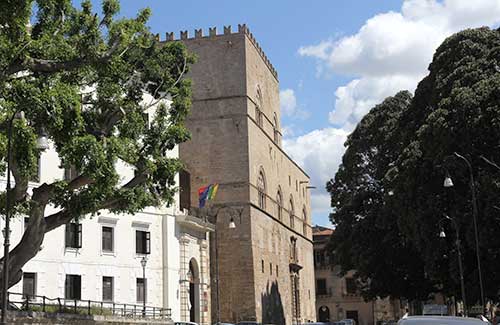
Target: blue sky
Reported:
point(335, 59)
point(281, 27)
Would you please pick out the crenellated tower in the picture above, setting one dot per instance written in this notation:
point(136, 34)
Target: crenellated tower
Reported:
point(266, 263)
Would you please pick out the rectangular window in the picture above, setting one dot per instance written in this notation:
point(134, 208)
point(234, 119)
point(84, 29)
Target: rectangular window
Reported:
point(107, 288)
point(321, 287)
point(29, 285)
point(263, 266)
point(70, 173)
point(74, 235)
point(73, 287)
point(107, 239)
point(352, 314)
point(350, 286)
point(185, 189)
point(319, 258)
point(141, 289)
point(271, 268)
point(142, 242)
point(277, 274)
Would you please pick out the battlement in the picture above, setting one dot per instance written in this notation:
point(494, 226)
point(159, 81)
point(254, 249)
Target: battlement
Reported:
point(212, 33)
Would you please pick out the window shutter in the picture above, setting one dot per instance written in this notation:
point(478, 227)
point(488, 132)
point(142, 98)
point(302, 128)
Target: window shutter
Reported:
point(67, 237)
point(138, 242)
point(67, 287)
point(112, 235)
point(78, 287)
point(79, 235)
point(148, 242)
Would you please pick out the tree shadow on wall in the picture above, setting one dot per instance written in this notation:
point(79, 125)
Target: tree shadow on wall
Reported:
point(272, 307)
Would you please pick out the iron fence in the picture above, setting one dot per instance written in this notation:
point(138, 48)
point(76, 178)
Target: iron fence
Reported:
point(21, 301)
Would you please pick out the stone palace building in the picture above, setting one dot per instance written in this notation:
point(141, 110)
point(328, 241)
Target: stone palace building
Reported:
point(265, 264)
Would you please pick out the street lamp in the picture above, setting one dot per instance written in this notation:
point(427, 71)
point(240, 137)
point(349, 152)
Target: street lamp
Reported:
point(442, 234)
point(42, 144)
point(144, 261)
point(232, 225)
point(474, 215)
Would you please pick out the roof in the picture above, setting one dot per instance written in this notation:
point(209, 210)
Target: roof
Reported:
point(322, 231)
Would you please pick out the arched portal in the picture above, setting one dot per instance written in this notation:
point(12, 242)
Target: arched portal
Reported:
point(194, 291)
point(324, 314)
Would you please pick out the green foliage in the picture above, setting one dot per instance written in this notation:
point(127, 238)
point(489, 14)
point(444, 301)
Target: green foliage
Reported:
point(388, 196)
point(82, 78)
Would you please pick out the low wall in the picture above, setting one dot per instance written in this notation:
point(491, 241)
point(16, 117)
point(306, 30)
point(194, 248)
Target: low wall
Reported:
point(35, 318)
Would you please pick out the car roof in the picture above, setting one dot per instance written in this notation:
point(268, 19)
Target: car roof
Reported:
point(440, 320)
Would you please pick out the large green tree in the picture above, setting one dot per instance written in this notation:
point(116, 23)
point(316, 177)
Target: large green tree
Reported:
point(81, 76)
point(388, 197)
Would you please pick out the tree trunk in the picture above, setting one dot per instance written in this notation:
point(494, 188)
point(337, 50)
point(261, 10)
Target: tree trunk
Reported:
point(31, 241)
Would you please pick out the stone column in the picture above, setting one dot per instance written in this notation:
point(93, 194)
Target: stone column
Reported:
point(184, 281)
point(204, 282)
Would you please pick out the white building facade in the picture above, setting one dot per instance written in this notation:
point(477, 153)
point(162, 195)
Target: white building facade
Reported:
point(99, 258)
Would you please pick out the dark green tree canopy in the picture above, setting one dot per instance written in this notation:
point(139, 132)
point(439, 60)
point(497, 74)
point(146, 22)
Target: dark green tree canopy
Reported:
point(82, 77)
point(388, 196)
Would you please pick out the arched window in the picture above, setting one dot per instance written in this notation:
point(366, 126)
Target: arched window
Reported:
point(259, 118)
point(261, 188)
point(304, 221)
point(276, 128)
point(279, 204)
point(292, 214)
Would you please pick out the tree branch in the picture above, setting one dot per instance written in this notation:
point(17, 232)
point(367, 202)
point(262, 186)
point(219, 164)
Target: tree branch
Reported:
point(181, 74)
point(64, 216)
point(51, 66)
point(489, 162)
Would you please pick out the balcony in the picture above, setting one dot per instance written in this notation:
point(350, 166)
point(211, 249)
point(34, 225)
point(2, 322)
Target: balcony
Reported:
point(198, 223)
point(324, 293)
point(294, 264)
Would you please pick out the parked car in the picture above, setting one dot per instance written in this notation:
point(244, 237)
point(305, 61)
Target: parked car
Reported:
point(348, 322)
point(387, 322)
point(249, 323)
point(441, 320)
point(185, 323)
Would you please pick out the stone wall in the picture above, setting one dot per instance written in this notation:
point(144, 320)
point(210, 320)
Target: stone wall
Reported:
point(230, 79)
point(60, 319)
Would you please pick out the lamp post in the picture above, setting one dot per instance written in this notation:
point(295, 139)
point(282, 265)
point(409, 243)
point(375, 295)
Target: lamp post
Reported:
point(449, 183)
point(442, 234)
point(144, 261)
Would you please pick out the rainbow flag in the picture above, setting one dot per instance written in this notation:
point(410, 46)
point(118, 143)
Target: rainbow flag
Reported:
point(207, 193)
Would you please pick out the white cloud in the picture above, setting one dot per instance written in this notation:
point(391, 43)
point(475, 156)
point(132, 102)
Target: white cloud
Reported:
point(355, 99)
point(288, 102)
point(289, 107)
point(319, 153)
point(390, 52)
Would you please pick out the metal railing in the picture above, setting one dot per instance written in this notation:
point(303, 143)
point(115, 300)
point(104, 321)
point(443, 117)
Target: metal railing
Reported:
point(84, 307)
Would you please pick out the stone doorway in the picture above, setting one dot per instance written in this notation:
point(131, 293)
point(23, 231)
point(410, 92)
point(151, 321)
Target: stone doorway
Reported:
point(324, 314)
point(194, 291)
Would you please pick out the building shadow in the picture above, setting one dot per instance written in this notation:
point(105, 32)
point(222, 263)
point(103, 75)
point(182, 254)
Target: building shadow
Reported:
point(272, 306)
